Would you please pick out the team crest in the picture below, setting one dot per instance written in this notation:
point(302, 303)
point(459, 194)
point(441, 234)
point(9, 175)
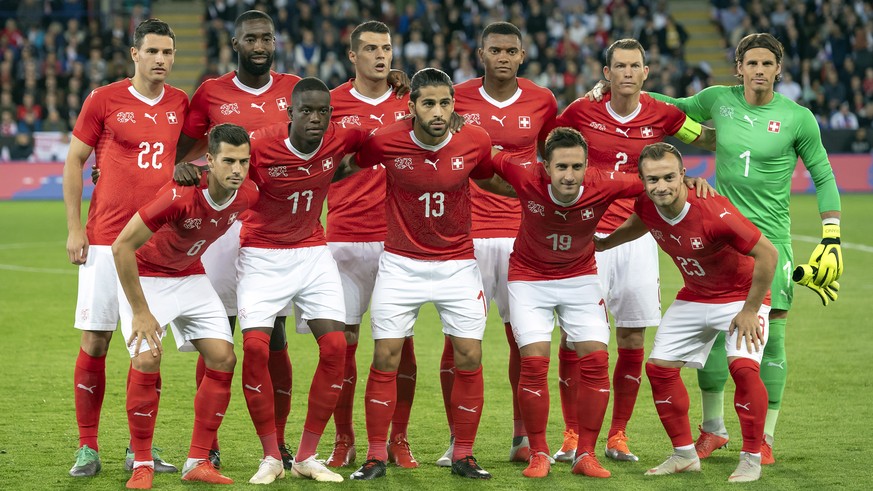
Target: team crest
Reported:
point(398, 115)
point(229, 108)
point(696, 243)
point(403, 163)
point(125, 117)
point(191, 223)
point(327, 164)
point(597, 126)
point(472, 118)
point(278, 171)
point(536, 208)
point(457, 163)
point(647, 132)
point(171, 117)
point(349, 120)
point(774, 126)
point(281, 103)
point(726, 112)
point(658, 235)
point(588, 213)
point(524, 122)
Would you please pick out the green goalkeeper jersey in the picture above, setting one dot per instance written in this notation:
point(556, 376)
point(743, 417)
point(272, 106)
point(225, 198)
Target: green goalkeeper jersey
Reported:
point(756, 154)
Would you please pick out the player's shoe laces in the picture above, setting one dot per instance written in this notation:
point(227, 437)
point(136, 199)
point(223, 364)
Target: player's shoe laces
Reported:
point(87, 462)
point(616, 448)
point(215, 458)
point(142, 478)
point(372, 469)
point(160, 464)
point(539, 466)
point(767, 451)
point(203, 471)
point(520, 449)
point(269, 470)
point(446, 459)
point(748, 470)
point(567, 453)
point(344, 452)
point(675, 464)
point(709, 442)
point(315, 470)
point(468, 467)
point(400, 454)
point(588, 465)
point(287, 457)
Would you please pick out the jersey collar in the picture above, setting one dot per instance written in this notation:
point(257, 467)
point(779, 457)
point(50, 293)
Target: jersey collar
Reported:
point(495, 102)
point(304, 156)
point(215, 206)
point(675, 221)
point(150, 102)
point(561, 203)
point(369, 100)
point(425, 146)
point(623, 119)
point(245, 88)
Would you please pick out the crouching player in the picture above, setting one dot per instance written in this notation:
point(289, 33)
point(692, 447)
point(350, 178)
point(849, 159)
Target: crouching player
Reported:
point(727, 266)
point(164, 281)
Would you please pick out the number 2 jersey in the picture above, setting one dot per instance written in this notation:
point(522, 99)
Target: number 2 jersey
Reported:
point(134, 138)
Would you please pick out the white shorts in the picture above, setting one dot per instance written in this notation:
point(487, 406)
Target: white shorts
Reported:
point(403, 285)
point(577, 301)
point(492, 255)
point(358, 263)
point(221, 263)
point(271, 279)
point(689, 329)
point(97, 301)
point(629, 276)
point(189, 304)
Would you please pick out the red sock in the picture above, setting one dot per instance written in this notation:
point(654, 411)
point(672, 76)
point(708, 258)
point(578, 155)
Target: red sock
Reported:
point(380, 397)
point(592, 398)
point(342, 415)
point(626, 385)
point(89, 386)
point(533, 397)
point(257, 388)
point(210, 405)
point(750, 401)
point(568, 376)
point(514, 375)
point(671, 402)
point(447, 380)
point(142, 410)
point(406, 374)
point(327, 383)
point(468, 395)
point(280, 374)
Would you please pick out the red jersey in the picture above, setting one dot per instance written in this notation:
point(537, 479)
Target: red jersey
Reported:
point(356, 204)
point(227, 100)
point(708, 241)
point(186, 221)
point(293, 186)
point(515, 125)
point(135, 145)
point(428, 189)
point(555, 240)
point(615, 142)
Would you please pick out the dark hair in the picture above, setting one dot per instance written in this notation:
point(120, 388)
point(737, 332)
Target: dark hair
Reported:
point(369, 26)
point(251, 15)
point(504, 28)
point(226, 133)
point(657, 151)
point(564, 137)
point(152, 26)
point(626, 43)
point(759, 40)
point(429, 77)
point(308, 84)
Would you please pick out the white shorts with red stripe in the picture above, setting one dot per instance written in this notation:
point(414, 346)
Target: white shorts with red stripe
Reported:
point(630, 279)
point(358, 263)
point(97, 300)
point(492, 255)
point(221, 262)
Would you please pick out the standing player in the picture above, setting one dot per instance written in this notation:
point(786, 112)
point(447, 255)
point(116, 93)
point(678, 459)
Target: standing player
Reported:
point(428, 258)
point(616, 131)
point(284, 258)
point(761, 135)
point(157, 255)
point(727, 266)
point(356, 233)
point(133, 124)
point(513, 111)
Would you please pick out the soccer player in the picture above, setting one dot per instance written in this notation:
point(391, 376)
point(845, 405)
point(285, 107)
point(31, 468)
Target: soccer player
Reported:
point(616, 131)
point(133, 124)
point(727, 266)
point(284, 258)
point(428, 258)
point(513, 111)
point(157, 256)
point(761, 135)
point(356, 233)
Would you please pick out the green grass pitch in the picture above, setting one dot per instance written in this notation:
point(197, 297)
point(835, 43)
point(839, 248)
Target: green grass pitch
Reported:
point(823, 440)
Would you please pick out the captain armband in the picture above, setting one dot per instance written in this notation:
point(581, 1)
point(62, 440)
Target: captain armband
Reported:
point(689, 131)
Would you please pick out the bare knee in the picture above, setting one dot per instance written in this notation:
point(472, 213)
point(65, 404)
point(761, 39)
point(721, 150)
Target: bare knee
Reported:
point(630, 338)
point(468, 353)
point(96, 343)
point(351, 333)
point(146, 362)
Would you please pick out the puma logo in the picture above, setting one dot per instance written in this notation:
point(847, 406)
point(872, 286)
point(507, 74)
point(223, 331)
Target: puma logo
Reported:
point(677, 239)
point(349, 380)
point(175, 195)
point(379, 118)
point(306, 169)
point(746, 117)
point(220, 415)
point(602, 390)
point(145, 415)
point(89, 389)
point(665, 401)
point(255, 389)
point(638, 380)
point(215, 221)
point(781, 364)
point(407, 377)
point(447, 370)
point(336, 386)
point(152, 117)
point(383, 403)
point(564, 381)
point(534, 392)
point(725, 212)
point(744, 406)
point(562, 215)
point(525, 164)
point(256, 106)
point(284, 392)
point(623, 132)
point(612, 175)
point(469, 410)
point(431, 163)
point(499, 120)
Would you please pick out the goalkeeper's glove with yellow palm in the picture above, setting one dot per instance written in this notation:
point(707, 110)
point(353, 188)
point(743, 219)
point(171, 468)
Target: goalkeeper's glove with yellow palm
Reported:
point(805, 274)
point(827, 257)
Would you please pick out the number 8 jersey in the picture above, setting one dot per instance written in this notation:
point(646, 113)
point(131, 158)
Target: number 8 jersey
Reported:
point(134, 138)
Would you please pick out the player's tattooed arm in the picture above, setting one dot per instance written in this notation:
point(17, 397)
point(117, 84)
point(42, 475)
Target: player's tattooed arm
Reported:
point(633, 228)
point(496, 185)
point(399, 80)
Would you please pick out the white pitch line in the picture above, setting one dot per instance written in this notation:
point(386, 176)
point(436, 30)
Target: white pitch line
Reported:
point(844, 245)
point(26, 269)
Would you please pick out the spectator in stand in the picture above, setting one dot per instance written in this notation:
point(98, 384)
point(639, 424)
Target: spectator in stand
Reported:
point(860, 143)
point(844, 118)
point(788, 87)
point(22, 147)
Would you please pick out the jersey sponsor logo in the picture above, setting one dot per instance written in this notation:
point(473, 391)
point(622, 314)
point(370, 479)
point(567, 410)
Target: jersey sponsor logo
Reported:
point(215, 221)
point(696, 243)
point(403, 163)
point(306, 169)
point(773, 126)
point(282, 103)
point(499, 120)
point(432, 163)
point(524, 122)
point(536, 208)
point(327, 164)
point(278, 171)
point(457, 163)
point(191, 223)
point(398, 115)
point(750, 120)
point(658, 235)
point(597, 126)
point(229, 108)
point(623, 132)
point(153, 117)
point(647, 132)
point(726, 112)
point(562, 215)
point(588, 213)
point(472, 118)
point(258, 106)
point(677, 239)
point(378, 118)
point(353, 119)
point(232, 218)
point(171, 117)
point(125, 117)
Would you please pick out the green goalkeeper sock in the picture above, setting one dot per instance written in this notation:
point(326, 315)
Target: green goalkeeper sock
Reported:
point(774, 371)
point(711, 379)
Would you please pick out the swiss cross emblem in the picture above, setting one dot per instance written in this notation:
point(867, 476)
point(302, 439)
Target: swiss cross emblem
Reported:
point(588, 213)
point(398, 115)
point(457, 163)
point(171, 117)
point(524, 122)
point(327, 164)
point(774, 126)
point(696, 243)
point(281, 103)
point(647, 132)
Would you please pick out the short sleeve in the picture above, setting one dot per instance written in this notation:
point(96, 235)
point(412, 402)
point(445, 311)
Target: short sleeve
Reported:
point(89, 124)
point(197, 120)
point(165, 207)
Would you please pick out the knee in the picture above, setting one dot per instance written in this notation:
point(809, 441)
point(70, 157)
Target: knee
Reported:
point(96, 343)
point(630, 338)
point(351, 333)
point(145, 362)
point(332, 346)
point(255, 350)
point(468, 355)
point(224, 362)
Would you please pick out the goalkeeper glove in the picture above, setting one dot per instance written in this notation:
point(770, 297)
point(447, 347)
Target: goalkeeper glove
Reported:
point(805, 274)
point(827, 257)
